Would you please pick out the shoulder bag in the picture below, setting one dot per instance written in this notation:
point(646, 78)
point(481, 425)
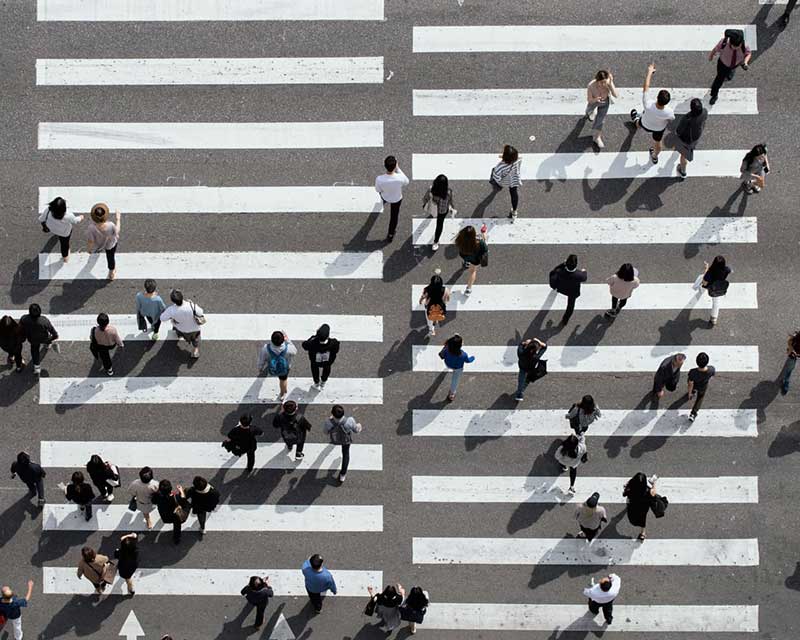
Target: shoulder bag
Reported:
point(412, 615)
point(539, 370)
point(45, 228)
point(199, 318)
point(369, 610)
point(718, 288)
point(179, 512)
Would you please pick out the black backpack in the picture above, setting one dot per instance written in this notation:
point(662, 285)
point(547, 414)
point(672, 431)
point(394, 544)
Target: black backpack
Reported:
point(735, 37)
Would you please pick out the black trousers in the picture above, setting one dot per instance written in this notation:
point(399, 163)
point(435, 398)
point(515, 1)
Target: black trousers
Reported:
point(111, 258)
point(251, 460)
point(724, 73)
point(617, 304)
point(64, 245)
point(316, 600)
point(176, 531)
point(607, 607)
point(315, 369)
point(16, 356)
point(573, 474)
point(439, 226)
point(590, 534)
point(345, 458)
point(104, 353)
point(698, 402)
point(301, 441)
point(87, 510)
point(36, 487)
point(36, 353)
point(513, 192)
point(789, 8)
point(260, 609)
point(570, 308)
point(394, 210)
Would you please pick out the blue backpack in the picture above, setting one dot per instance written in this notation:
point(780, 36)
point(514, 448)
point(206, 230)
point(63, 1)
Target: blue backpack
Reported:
point(278, 365)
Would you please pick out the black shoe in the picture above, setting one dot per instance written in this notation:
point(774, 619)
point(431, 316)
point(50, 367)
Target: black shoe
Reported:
point(713, 100)
point(634, 114)
point(609, 620)
point(785, 19)
point(390, 237)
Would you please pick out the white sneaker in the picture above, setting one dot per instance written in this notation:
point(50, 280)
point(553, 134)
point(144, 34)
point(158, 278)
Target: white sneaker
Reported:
point(37, 369)
point(435, 246)
point(110, 497)
point(342, 478)
point(322, 384)
point(599, 142)
point(56, 347)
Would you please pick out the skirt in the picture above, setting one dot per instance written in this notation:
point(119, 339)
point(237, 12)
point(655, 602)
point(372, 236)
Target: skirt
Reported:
point(684, 148)
point(637, 513)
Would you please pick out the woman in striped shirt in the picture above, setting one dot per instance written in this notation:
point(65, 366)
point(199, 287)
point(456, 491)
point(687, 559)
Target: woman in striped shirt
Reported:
point(506, 174)
point(441, 195)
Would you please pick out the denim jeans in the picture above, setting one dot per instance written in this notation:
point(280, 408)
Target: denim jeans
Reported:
point(788, 367)
point(454, 380)
point(522, 382)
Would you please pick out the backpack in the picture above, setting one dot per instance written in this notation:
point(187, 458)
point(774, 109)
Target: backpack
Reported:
point(436, 312)
point(338, 435)
point(735, 37)
point(555, 277)
point(278, 365)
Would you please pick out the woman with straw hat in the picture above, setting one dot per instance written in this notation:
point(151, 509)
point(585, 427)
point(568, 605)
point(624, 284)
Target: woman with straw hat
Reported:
point(104, 235)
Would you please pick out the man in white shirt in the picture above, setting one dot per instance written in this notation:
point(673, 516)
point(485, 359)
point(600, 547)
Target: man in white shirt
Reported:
point(390, 187)
point(656, 115)
point(602, 594)
point(186, 318)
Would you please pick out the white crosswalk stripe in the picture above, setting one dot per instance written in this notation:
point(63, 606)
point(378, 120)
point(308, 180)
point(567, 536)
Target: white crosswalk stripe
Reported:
point(626, 359)
point(534, 231)
point(649, 296)
point(210, 135)
point(205, 390)
point(683, 552)
point(553, 490)
point(224, 326)
point(564, 38)
point(715, 423)
point(567, 102)
point(241, 517)
point(245, 265)
point(206, 455)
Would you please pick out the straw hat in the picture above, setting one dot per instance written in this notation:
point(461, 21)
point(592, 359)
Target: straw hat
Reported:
point(100, 212)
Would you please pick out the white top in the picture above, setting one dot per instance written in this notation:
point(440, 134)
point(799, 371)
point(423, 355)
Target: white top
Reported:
point(390, 185)
point(653, 118)
point(183, 317)
point(58, 227)
point(599, 596)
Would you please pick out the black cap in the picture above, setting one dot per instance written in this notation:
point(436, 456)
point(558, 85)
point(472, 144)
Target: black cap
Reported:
point(593, 500)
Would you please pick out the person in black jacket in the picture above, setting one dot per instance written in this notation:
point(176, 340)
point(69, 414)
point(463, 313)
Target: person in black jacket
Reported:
point(204, 498)
point(38, 330)
point(293, 426)
point(529, 352)
point(566, 278)
point(257, 592)
point(104, 476)
point(30, 473)
point(11, 341)
point(81, 493)
point(242, 440)
point(668, 374)
point(127, 556)
point(689, 130)
point(167, 502)
point(322, 350)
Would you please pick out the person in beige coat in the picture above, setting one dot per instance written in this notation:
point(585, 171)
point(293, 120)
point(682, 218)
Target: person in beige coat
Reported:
point(96, 568)
point(621, 286)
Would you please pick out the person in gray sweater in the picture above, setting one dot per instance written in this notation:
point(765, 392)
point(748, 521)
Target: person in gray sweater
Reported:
point(341, 428)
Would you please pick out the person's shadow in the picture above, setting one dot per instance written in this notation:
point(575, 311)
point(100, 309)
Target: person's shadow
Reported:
point(12, 518)
point(607, 192)
point(26, 283)
point(82, 616)
point(767, 34)
point(692, 247)
point(793, 581)
point(786, 442)
point(527, 513)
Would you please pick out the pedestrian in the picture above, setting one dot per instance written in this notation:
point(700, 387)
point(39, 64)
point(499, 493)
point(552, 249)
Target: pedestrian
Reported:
point(598, 99)
point(104, 236)
point(454, 359)
point(241, 440)
point(257, 592)
point(506, 173)
point(322, 352)
point(566, 278)
point(714, 279)
point(668, 374)
point(103, 339)
point(31, 474)
point(57, 220)
point(434, 298)
point(698, 382)
point(141, 491)
point(81, 493)
point(441, 195)
point(602, 595)
point(275, 359)
point(755, 167)
point(389, 186)
point(733, 52)
point(39, 331)
point(127, 557)
point(293, 427)
point(621, 286)
point(187, 318)
point(689, 131)
point(473, 251)
point(149, 307)
point(414, 608)
point(340, 429)
point(570, 455)
point(788, 12)
point(530, 363)
point(792, 353)
point(590, 517)
point(582, 414)
point(639, 492)
point(104, 475)
point(11, 608)
point(204, 498)
point(656, 114)
point(318, 580)
point(387, 606)
point(173, 507)
point(11, 340)
point(96, 568)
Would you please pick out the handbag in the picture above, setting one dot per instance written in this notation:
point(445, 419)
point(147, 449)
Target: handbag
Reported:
point(45, 228)
point(718, 288)
point(485, 258)
point(109, 573)
point(659, 505)
point(115, 479)
point(141, 322)
point(93, 344)
point(180, 513)
point(369, 610)
point(412, 615)
point(132, 505)
point(539, 370)
point(199, 318)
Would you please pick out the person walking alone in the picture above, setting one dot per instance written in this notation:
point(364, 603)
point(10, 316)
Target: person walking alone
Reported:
point(104, 475)
point(733, 53)
point(103, 339)
point(529, 355)
point(149, 307)
point(668, 374)
point(275, 359)
point(602, 595)
point(621, 286)
point(203, 498)
point(792, 353)
point(434, 298)
point(656, 114)
point(141, 491)
point(340, 429)
point(582, 414)
point(81, 493)
point(566, 278)
point(187, 318)
point(318, 580)
point(103, 235)
point(454, 359)
point(11, 608)
point(441, 195)
point(257, 592)
point(293, 427)
point(754, 169)
point(473, 251)
point(689, 131)
point(322, 352)
point(590, 517)
point(598, 99)
point(57, 220)
point(570, 455)
point(389, 186)
point(639, 492)
point(173, 507)
point(699, 378)
point(127, 557)
point(31, 474)
point(714, 279)
point(506, 173)
point(39, 332)
point(11, 340)
point(97, 569)
point(242, 440)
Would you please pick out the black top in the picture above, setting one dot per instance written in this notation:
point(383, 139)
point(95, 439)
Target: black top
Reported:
point(700, 378)
point(690, 128)
point(568, 283)
point(30, 472)
point(527, 358)
point(10, 342)
point(714, 274)
point(257, 596)
point(127, 560)
point(665, 373)
point(244, 439)
point(100, 473)
point(80, 493)
point(203, 502)
point(319, 352)
point(436, 298)
point(290, 424)
point(37, 330)
point(167, 504)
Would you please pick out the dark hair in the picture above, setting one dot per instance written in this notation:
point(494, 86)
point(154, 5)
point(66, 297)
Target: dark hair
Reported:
point(510, 154)
point(758, 150)
point(324, 332)
point(571, 262)
point(102, 321)
point(736, 38)
point(176, 295)
point(95, 461)
point(145, 474)
point(696, 107)
point(128, 546)
point(702, 359)
point(626, 272)
point(316, 561)
point(587, 404)
point(390, 163)
point(637, 485)
point(467, 241)
point(77, 477)
point(88, 554)
point(439, 187)
point(34, 310)
point(245, 419)
point(605, 585)
point(435, 290)
point(165, 487)
point(601, 75)
point(255, 582)
point(8, 325)
point(389, 597)
point(150, 285)
point(277, 338)
point(416, 598)
point(454, 344)
point(717, 270)
point(199, 483)
point(290, 407)
point(337, 411)
point(570, 446)
point(58, 208)
point(23, 458)
point(663, 97)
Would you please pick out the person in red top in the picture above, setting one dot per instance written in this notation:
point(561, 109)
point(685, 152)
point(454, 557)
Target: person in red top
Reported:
point(733, 52)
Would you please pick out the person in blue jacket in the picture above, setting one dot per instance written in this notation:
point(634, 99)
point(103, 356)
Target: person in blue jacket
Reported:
point(318, 580)
point(455, 358)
